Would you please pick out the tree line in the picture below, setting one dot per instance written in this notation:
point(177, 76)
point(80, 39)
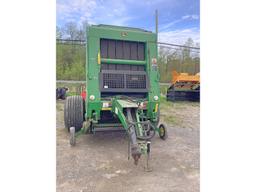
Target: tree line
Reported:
point(182, 59)
point(72, 31)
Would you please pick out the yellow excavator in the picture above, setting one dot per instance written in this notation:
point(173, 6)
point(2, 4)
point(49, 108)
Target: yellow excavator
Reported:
point(184, 87)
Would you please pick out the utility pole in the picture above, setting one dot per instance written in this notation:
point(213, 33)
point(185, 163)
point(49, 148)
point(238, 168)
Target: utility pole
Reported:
point(156, 25)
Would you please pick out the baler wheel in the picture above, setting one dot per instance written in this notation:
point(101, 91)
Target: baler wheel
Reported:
point(163, 131)
point(73, 112)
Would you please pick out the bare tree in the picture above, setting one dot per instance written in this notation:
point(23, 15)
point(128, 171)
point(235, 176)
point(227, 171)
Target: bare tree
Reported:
point(71, 30)
point(186, 50)
point(59, 33)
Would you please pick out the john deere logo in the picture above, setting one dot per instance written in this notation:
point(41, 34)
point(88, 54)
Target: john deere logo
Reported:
point(123, 34)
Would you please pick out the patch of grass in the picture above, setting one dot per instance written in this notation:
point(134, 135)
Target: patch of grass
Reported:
point(71, 94)
point(163, 101)
point(164, 104)
point(185, 104)
point(59, 106)
point(177, 104)
point(171, 120)
point(165, 108)
point(163, 89)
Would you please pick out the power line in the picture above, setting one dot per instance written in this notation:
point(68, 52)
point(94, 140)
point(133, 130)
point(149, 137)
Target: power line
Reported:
point(184, 46)
point(178, 49)
point(71, 40)
point(83, 42)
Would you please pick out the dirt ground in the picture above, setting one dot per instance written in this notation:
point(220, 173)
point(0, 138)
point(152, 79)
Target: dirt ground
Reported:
point(98, 163)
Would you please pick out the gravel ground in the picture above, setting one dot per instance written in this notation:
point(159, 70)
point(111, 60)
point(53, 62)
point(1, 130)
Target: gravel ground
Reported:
point(98, 163)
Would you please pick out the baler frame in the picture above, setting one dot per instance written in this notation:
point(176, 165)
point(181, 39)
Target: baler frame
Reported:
point(126, 88)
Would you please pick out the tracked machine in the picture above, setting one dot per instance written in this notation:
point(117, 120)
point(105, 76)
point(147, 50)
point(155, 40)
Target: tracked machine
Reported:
point(122, 88)
point(184, 87)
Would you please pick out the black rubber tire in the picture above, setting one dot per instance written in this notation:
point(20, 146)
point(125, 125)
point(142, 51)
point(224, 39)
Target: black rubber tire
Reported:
point(73, 112)
point(164, 135)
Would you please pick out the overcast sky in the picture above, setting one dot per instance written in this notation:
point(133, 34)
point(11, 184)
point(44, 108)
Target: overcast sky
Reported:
point(178, 19)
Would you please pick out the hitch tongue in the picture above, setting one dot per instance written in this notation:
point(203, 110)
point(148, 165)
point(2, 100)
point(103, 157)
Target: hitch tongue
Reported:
point(135, 148)
point(129, 121)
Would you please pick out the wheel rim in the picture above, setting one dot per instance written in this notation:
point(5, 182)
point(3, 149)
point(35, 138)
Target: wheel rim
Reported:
point(161, 131)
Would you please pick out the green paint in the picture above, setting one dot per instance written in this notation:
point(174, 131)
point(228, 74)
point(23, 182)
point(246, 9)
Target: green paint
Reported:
point(122, 61)
point(117, 109)
point(127, 103)
point(94, 34)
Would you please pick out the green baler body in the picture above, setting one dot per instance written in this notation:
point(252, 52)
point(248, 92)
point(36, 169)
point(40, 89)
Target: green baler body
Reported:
point(95, 34)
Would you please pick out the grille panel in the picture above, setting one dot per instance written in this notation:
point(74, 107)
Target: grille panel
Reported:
point(113, 81)
point(135, 81)
point(123, 81)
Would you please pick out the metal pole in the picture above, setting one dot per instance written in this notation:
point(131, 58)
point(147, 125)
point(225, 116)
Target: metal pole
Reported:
point(156, 25)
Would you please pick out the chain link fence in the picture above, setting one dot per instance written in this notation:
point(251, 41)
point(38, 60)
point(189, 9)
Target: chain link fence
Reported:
point(71, 58)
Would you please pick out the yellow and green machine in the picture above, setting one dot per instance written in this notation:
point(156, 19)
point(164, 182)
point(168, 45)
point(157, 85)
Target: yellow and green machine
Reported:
point(184, 87)
point(122, 87)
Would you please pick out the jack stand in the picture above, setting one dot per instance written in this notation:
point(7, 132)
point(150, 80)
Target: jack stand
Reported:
point(129, 149)
point(72, 138)
point(147, 168)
